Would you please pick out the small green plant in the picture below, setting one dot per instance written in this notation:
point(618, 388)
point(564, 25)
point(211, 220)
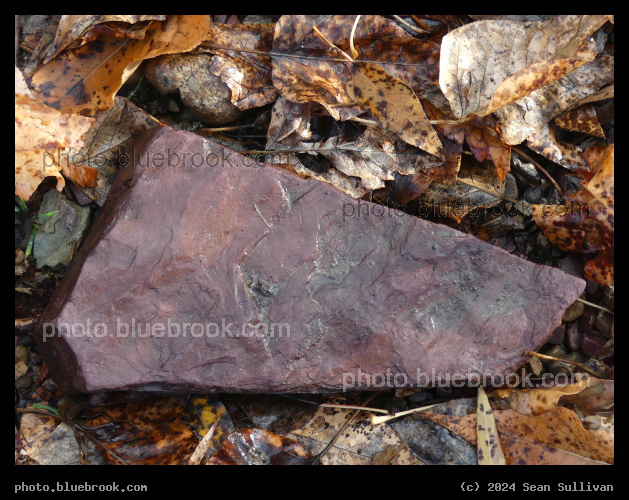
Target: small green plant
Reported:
point(31, 240)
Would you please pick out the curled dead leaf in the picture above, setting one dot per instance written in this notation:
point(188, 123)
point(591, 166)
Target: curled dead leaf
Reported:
point(488, 64)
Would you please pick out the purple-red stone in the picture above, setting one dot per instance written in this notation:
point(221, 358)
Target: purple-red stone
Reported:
point(333, 293)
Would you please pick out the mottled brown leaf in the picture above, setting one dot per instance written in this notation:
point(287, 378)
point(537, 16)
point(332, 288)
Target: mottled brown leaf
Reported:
point(488, 64)
point(555, 437)
point(586, 223)
point(598, 396)
point(247, 75)
point(307, 74)
point(583, 119)
point(488, 450)
point(85, 80)
point(70, 28)
point(545, 143)
point(208, 412)
point(539, 400)
point(42, 135)
point(477, 189)
point(148, 431)
point(395, 106)
point(532, 112)
point(260, 447)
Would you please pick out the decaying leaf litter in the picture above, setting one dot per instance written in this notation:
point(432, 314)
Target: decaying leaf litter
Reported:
point(391, 111)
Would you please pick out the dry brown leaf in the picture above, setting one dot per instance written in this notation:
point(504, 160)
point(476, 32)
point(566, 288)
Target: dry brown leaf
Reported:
point(148, 431)
point(598, 396)
point(70, 28)
point(583, 119)
point(539, 400)
point(41, 136)
point(85, 80)
point(545, 143)
point(357, 445)
point(477, 189)
point(531, 113)
point(304, 72)
point(488, 450)
point(290, 125)
point(485, 144)
point(395, 106)
point(247, 75)
point(555, 437)
point(260, 447)
point(586, 223)
point(35, 430)
point(112, 131)
point(488, 64)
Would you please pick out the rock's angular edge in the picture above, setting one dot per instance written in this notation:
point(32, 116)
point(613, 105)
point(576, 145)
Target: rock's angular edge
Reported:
point(333, 293)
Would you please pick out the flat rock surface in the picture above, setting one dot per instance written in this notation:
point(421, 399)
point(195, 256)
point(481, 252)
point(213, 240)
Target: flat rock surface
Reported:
point(322, 293)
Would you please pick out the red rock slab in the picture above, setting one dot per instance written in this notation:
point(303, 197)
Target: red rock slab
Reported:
point(220, 275)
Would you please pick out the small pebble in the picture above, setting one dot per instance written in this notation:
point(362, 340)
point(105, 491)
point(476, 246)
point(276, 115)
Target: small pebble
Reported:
point(608, 298)
point(591, 345)
point(21, 354)
point(573, 337)
point(592, 288)
point(573, 312)
point(604, 322)
point(511, 187)
point(420, 397)
point(20, 369)
point(586, 321)
point(555, 351)
point(572, 264)
point(558, 335)
point(444, 392)
point(24, 382)
point(533, 195)
point(561, 367)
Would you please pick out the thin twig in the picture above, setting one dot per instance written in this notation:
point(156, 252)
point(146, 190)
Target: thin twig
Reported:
point(322, 36)
point(422, 24)
point(542, 169)
point(298, 56)
point(595, 305)
point(341, 430)
point(375, 420)
point(409, 26)
point(351, 38)
point(552, 358)
point(223, 129)
point(353, 407)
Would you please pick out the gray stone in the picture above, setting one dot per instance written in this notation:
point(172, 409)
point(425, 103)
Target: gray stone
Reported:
point(323, 292)
point(204, 93)
point(58, 233)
